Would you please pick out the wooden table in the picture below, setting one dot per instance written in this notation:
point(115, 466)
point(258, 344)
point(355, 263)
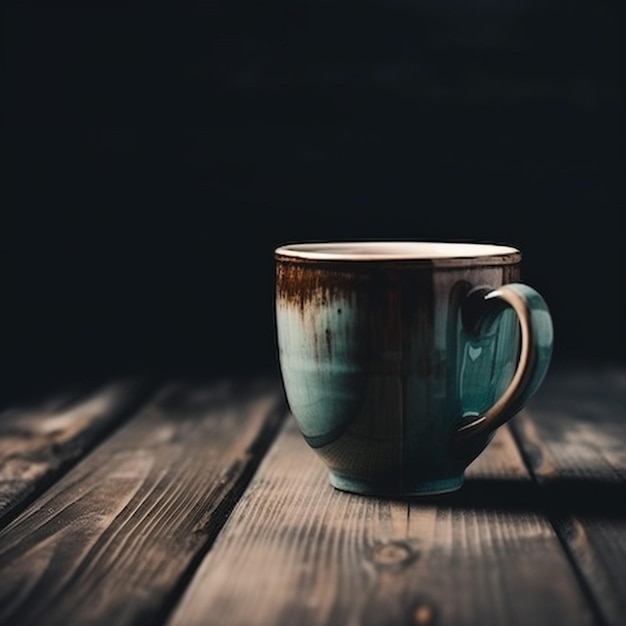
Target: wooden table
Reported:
point(197, 502)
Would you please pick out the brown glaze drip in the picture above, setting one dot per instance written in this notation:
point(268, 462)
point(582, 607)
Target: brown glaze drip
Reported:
point(511, 273)
point(303, 282)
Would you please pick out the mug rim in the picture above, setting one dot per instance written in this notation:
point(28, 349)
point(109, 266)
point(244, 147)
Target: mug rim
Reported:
point(432, 253)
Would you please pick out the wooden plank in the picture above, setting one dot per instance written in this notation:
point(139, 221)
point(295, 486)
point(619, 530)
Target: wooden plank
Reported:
point(573, 436)
point(296, 551)
point(41, 441)
point(114, 541)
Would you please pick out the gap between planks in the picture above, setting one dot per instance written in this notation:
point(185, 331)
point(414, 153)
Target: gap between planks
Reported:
point(573, 441)
point(42, 441)
point(116, 539)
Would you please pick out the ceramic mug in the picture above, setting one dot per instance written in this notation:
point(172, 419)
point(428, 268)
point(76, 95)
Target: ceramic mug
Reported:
point(399, 360)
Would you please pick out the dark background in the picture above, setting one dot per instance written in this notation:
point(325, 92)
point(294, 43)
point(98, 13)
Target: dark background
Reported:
point(159, 152)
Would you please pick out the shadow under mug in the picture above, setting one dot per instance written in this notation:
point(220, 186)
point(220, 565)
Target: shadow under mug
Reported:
point(399, 360)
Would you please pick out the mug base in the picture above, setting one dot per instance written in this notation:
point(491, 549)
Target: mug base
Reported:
point(368, 488)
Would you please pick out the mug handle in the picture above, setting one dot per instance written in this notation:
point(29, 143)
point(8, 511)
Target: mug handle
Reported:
point(483, 305)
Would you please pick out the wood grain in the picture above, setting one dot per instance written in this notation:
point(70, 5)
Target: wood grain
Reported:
point(573, 437)
point(296, 551)
point(40, 442)
point(115, 540)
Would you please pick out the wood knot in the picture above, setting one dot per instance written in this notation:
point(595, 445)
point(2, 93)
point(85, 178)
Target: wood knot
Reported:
point(423, 614)
point(394, 554)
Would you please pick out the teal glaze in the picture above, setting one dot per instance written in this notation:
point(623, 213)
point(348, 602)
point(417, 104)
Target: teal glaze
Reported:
point(381, 368)
point(543, 333)
point(493, 325)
